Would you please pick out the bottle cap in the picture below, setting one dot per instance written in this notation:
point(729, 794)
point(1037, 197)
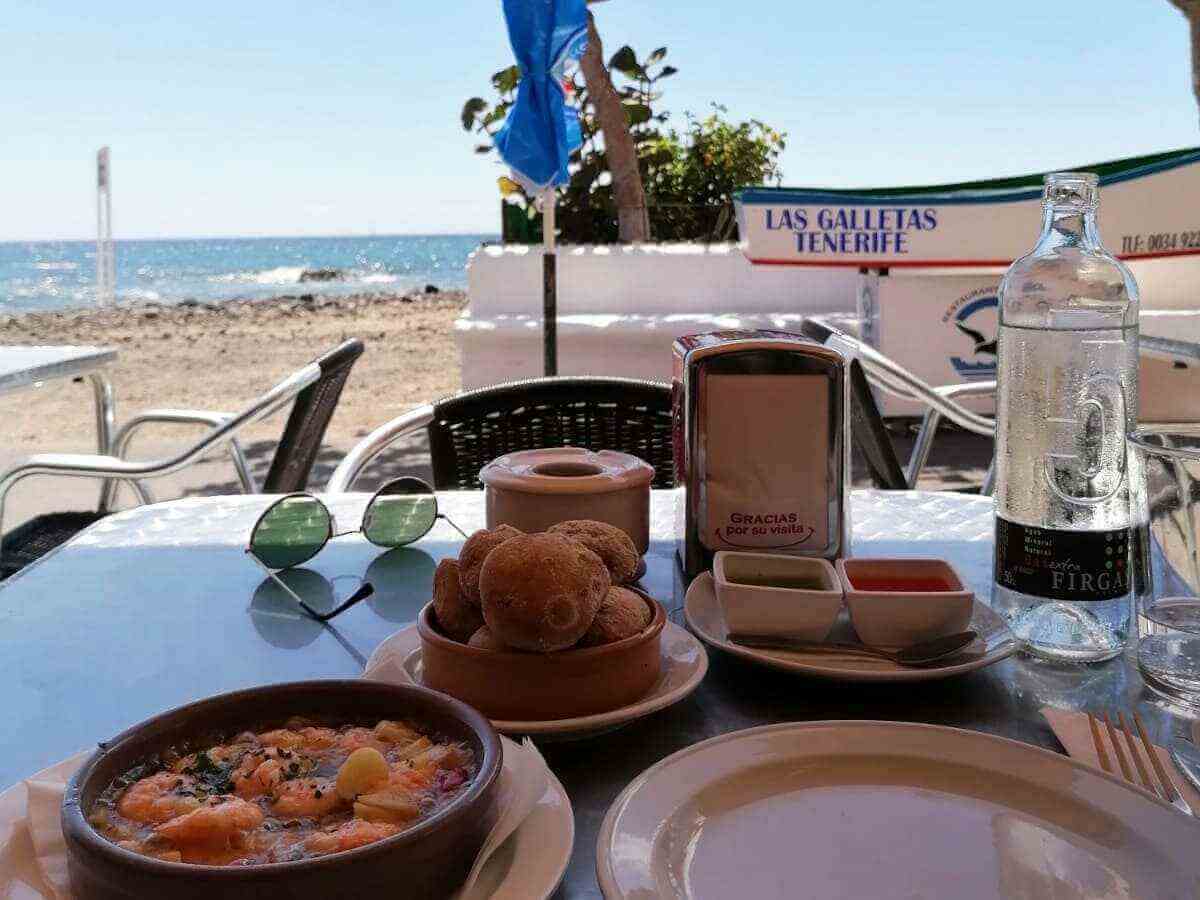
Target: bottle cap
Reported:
point(1072, 189)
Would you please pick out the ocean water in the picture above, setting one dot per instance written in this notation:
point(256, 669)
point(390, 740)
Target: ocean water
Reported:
point(57, 275)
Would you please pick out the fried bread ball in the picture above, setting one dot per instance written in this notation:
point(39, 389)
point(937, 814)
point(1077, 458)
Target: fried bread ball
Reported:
point(608, 542)
point(541, 591)
point(458, 618)
point(622, 614)
point(475, 551)
point(485, 640)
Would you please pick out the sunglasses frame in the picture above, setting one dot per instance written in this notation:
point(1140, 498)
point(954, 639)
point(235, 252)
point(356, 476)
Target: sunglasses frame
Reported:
point(367, 589)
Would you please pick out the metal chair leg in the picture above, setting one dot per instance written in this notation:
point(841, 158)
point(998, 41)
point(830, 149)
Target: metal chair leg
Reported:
point(922, 446)
point(989, 480)
point(106, 417)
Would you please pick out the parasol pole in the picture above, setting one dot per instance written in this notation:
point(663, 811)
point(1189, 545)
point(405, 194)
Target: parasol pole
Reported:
point(549, 285)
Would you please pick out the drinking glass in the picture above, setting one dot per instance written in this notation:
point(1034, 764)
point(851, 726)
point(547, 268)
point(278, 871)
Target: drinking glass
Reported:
point(1165, 490)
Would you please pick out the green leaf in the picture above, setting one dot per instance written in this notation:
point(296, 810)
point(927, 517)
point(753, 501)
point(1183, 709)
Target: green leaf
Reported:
point(506, 80)
point(656, 56)
point(625, 61)
point(470, 110)
point(637, 113)
point(667, 72)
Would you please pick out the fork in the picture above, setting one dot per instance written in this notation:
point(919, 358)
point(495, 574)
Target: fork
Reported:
point(1165, 788)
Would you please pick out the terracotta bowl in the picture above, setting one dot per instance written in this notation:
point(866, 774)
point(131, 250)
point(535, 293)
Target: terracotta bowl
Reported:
point(534, 489)
point(428, 860)
point(528, 687)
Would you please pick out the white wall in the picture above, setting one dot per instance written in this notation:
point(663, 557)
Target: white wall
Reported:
point(621, 306)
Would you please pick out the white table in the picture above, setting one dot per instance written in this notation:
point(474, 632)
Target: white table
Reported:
point(157, 606)
point(23, 367)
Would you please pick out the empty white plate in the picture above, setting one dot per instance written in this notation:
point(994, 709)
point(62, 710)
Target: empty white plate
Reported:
point(851, 810)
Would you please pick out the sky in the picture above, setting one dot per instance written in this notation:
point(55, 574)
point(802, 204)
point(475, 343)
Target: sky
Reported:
point(272, 118)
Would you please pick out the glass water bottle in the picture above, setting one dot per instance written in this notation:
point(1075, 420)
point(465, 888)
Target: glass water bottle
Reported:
point(1067, 396)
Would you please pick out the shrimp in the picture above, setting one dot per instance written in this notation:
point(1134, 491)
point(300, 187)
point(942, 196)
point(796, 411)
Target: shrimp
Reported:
point(306, 798)
point(222, 753)
point(281, 737)
point(158, 798)
point(256, 778)
point(405, 777)
point(220, 821)
point(395, 732)
point(318, 738)
point(355, 833)
point(260, 771)
point(353, 738)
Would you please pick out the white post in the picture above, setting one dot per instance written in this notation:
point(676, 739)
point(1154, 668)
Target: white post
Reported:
point(106, 268)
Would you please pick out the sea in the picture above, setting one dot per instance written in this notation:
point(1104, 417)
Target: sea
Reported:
point(60, 275)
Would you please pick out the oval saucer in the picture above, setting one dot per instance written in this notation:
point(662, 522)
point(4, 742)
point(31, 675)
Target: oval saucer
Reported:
point(706, 619)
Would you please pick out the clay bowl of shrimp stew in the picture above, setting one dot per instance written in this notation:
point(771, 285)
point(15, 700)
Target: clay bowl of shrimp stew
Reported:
point(255, 794)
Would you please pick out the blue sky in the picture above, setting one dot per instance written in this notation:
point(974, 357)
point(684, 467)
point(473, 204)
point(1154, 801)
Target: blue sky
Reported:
point(328, 118)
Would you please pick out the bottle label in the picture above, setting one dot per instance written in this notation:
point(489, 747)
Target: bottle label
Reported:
point(1062, 565)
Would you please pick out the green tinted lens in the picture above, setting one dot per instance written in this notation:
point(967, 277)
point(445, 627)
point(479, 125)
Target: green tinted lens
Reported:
point(290, 532)
point(402, 512)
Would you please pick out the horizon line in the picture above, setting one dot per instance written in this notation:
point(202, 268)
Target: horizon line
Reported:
point(254, 237)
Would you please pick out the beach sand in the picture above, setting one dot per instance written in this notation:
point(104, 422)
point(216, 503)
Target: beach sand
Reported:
point(221, 356)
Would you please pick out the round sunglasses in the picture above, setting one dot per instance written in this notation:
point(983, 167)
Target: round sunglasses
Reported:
point(295, 528)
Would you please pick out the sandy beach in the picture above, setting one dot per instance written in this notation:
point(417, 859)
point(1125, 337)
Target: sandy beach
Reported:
point(219, 357)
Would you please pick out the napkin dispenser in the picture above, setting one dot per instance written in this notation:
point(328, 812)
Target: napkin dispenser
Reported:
point(762, 446)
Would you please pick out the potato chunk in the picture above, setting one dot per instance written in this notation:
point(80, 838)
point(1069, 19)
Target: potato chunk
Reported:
point(363, 769)
point(387, 806)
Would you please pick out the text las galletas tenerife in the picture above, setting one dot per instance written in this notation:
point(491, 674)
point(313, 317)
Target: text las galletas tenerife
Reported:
point(850, 230)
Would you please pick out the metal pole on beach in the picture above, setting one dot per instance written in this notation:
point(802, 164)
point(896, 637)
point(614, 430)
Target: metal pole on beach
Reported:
point(549, 285)
point(106, 272)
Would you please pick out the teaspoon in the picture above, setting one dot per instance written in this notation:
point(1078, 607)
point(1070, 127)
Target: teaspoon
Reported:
point(920, 654)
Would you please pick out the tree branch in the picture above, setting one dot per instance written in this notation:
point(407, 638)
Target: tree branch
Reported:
point(628, 191)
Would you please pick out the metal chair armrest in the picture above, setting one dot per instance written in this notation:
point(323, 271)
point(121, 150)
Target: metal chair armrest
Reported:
point(923, 445)
point(188, 417)
point(373, 444)
point(181, 417)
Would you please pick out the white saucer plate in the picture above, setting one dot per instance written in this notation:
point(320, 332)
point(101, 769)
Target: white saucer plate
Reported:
point(684, 663)
point(527, 866)
point(841, 810)
point(706, 618)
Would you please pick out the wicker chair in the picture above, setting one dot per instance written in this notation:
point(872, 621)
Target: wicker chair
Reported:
point(469, 430)
point(316, 389)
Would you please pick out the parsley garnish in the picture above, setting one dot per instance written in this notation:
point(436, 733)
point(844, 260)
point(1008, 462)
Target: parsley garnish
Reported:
point(213, 776)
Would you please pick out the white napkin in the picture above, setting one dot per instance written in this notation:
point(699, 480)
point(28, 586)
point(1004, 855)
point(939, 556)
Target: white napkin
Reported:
point(42, 805)
point(519, 793)
point(523, 780)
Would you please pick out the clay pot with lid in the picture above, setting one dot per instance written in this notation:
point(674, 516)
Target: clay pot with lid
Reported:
point(535, 489)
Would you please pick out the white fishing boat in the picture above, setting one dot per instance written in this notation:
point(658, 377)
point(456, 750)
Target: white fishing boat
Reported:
point(930, 261)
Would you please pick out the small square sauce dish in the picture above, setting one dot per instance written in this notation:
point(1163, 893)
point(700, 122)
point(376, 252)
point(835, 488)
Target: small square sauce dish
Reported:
point(769, 594)
point(895, 603)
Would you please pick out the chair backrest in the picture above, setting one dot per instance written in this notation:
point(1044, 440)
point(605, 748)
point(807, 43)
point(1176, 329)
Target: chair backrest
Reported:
point(471, 429)
point(866, 424)
point(305, 429)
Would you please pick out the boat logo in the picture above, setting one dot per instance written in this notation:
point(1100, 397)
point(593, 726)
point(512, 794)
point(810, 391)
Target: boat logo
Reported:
point(974, 317)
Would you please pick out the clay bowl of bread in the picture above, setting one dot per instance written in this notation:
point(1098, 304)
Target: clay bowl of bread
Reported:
point(537, 627)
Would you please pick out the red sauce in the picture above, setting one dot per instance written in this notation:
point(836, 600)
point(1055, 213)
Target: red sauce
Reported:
point(913, 585)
